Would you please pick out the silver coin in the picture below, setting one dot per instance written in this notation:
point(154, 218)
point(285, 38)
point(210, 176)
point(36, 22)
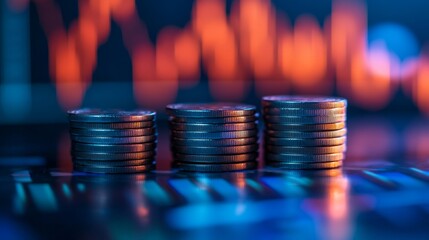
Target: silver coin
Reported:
point(124, 163)
point(210, 110)
point(106, 170)
point(309, 142)
point(115, 125)
point(216, 150)
point(306, 135)
point(319, 165)
point(303, 112)
point(305, 150)
point(219, 167)
point(216, 158)
point(114, 140)
point(304, 158)
point(200, 127)
point(112, 148)
point(215, 120)
point(207, 142)
point(113, 132)
point(304, 120)
point(306, 127)
point(109, 116)
point(214, 135)
point(303, 102)
point(102, 156)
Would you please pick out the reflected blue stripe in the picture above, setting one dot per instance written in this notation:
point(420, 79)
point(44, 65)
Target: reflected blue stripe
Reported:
point(43, 197)
point(258, 187)
point(283, 186)
point(155, 193)
point(66, 190)
point(208, 215)
point(189, 190)
point(223, 188)
point(20, 199)
point(22, 161)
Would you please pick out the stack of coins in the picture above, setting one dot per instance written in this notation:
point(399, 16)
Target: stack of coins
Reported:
point(214, 137)
point(113, 141)
point(304, 132)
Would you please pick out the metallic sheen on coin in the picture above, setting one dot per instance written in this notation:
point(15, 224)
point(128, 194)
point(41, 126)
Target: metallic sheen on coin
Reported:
point(304, 120)
point(306, 135)
point(214, 135)
point(203, 110)
point(103, 156)
point(216, 150)
point(114, 140)
point(306, 150)
point(306, 127)
point(303, 102)
point(109, 148)
point(213, 127)
point(304, 158)
point(207, 142)
point(216, 120)
point(216, 158)
point(110, 116)
point(115, 125)
point(311, 142)
point(88, 132)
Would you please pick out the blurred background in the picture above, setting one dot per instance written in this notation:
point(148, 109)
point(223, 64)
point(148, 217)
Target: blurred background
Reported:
point(59, 55)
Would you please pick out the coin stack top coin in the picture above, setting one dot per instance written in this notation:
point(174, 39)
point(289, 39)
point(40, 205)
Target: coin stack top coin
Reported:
point(213, 137)
point(304, 132)
point(113, 141)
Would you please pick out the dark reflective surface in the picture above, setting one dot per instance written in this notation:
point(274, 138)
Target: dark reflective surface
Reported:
point(383, 191)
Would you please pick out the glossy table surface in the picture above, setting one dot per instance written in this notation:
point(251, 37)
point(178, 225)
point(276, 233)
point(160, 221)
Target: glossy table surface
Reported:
point(380, 192)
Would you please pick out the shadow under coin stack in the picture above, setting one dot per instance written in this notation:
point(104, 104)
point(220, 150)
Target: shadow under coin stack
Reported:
point(304, 132)
point(113, 141)
point(214, 137)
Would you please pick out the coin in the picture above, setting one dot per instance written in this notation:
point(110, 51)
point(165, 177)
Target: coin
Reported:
point(304, 112)
point(304, 120)
point(113, 132)
point(210, 110)
point(136, 162)
point(304, 158)
point(109, 116)
point(310, 142)
point(110, 148)
point(303, 102)
point(214, 135)
point(305, 150)
point(127, 169)
point(213, 142)
point(306, 127)
point(216, 158)
point(216, 150)
point(115, 125)
point(214, 127)
point(215, 120)
point(113, 140)
point(306, 135)
point(318, 165)
point(220, 167)
point(100, 156)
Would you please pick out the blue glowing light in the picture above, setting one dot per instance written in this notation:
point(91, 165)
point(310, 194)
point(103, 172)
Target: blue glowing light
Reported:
point(397, 39)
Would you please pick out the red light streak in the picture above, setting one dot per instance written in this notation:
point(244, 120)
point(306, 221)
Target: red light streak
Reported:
point(253, 42)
